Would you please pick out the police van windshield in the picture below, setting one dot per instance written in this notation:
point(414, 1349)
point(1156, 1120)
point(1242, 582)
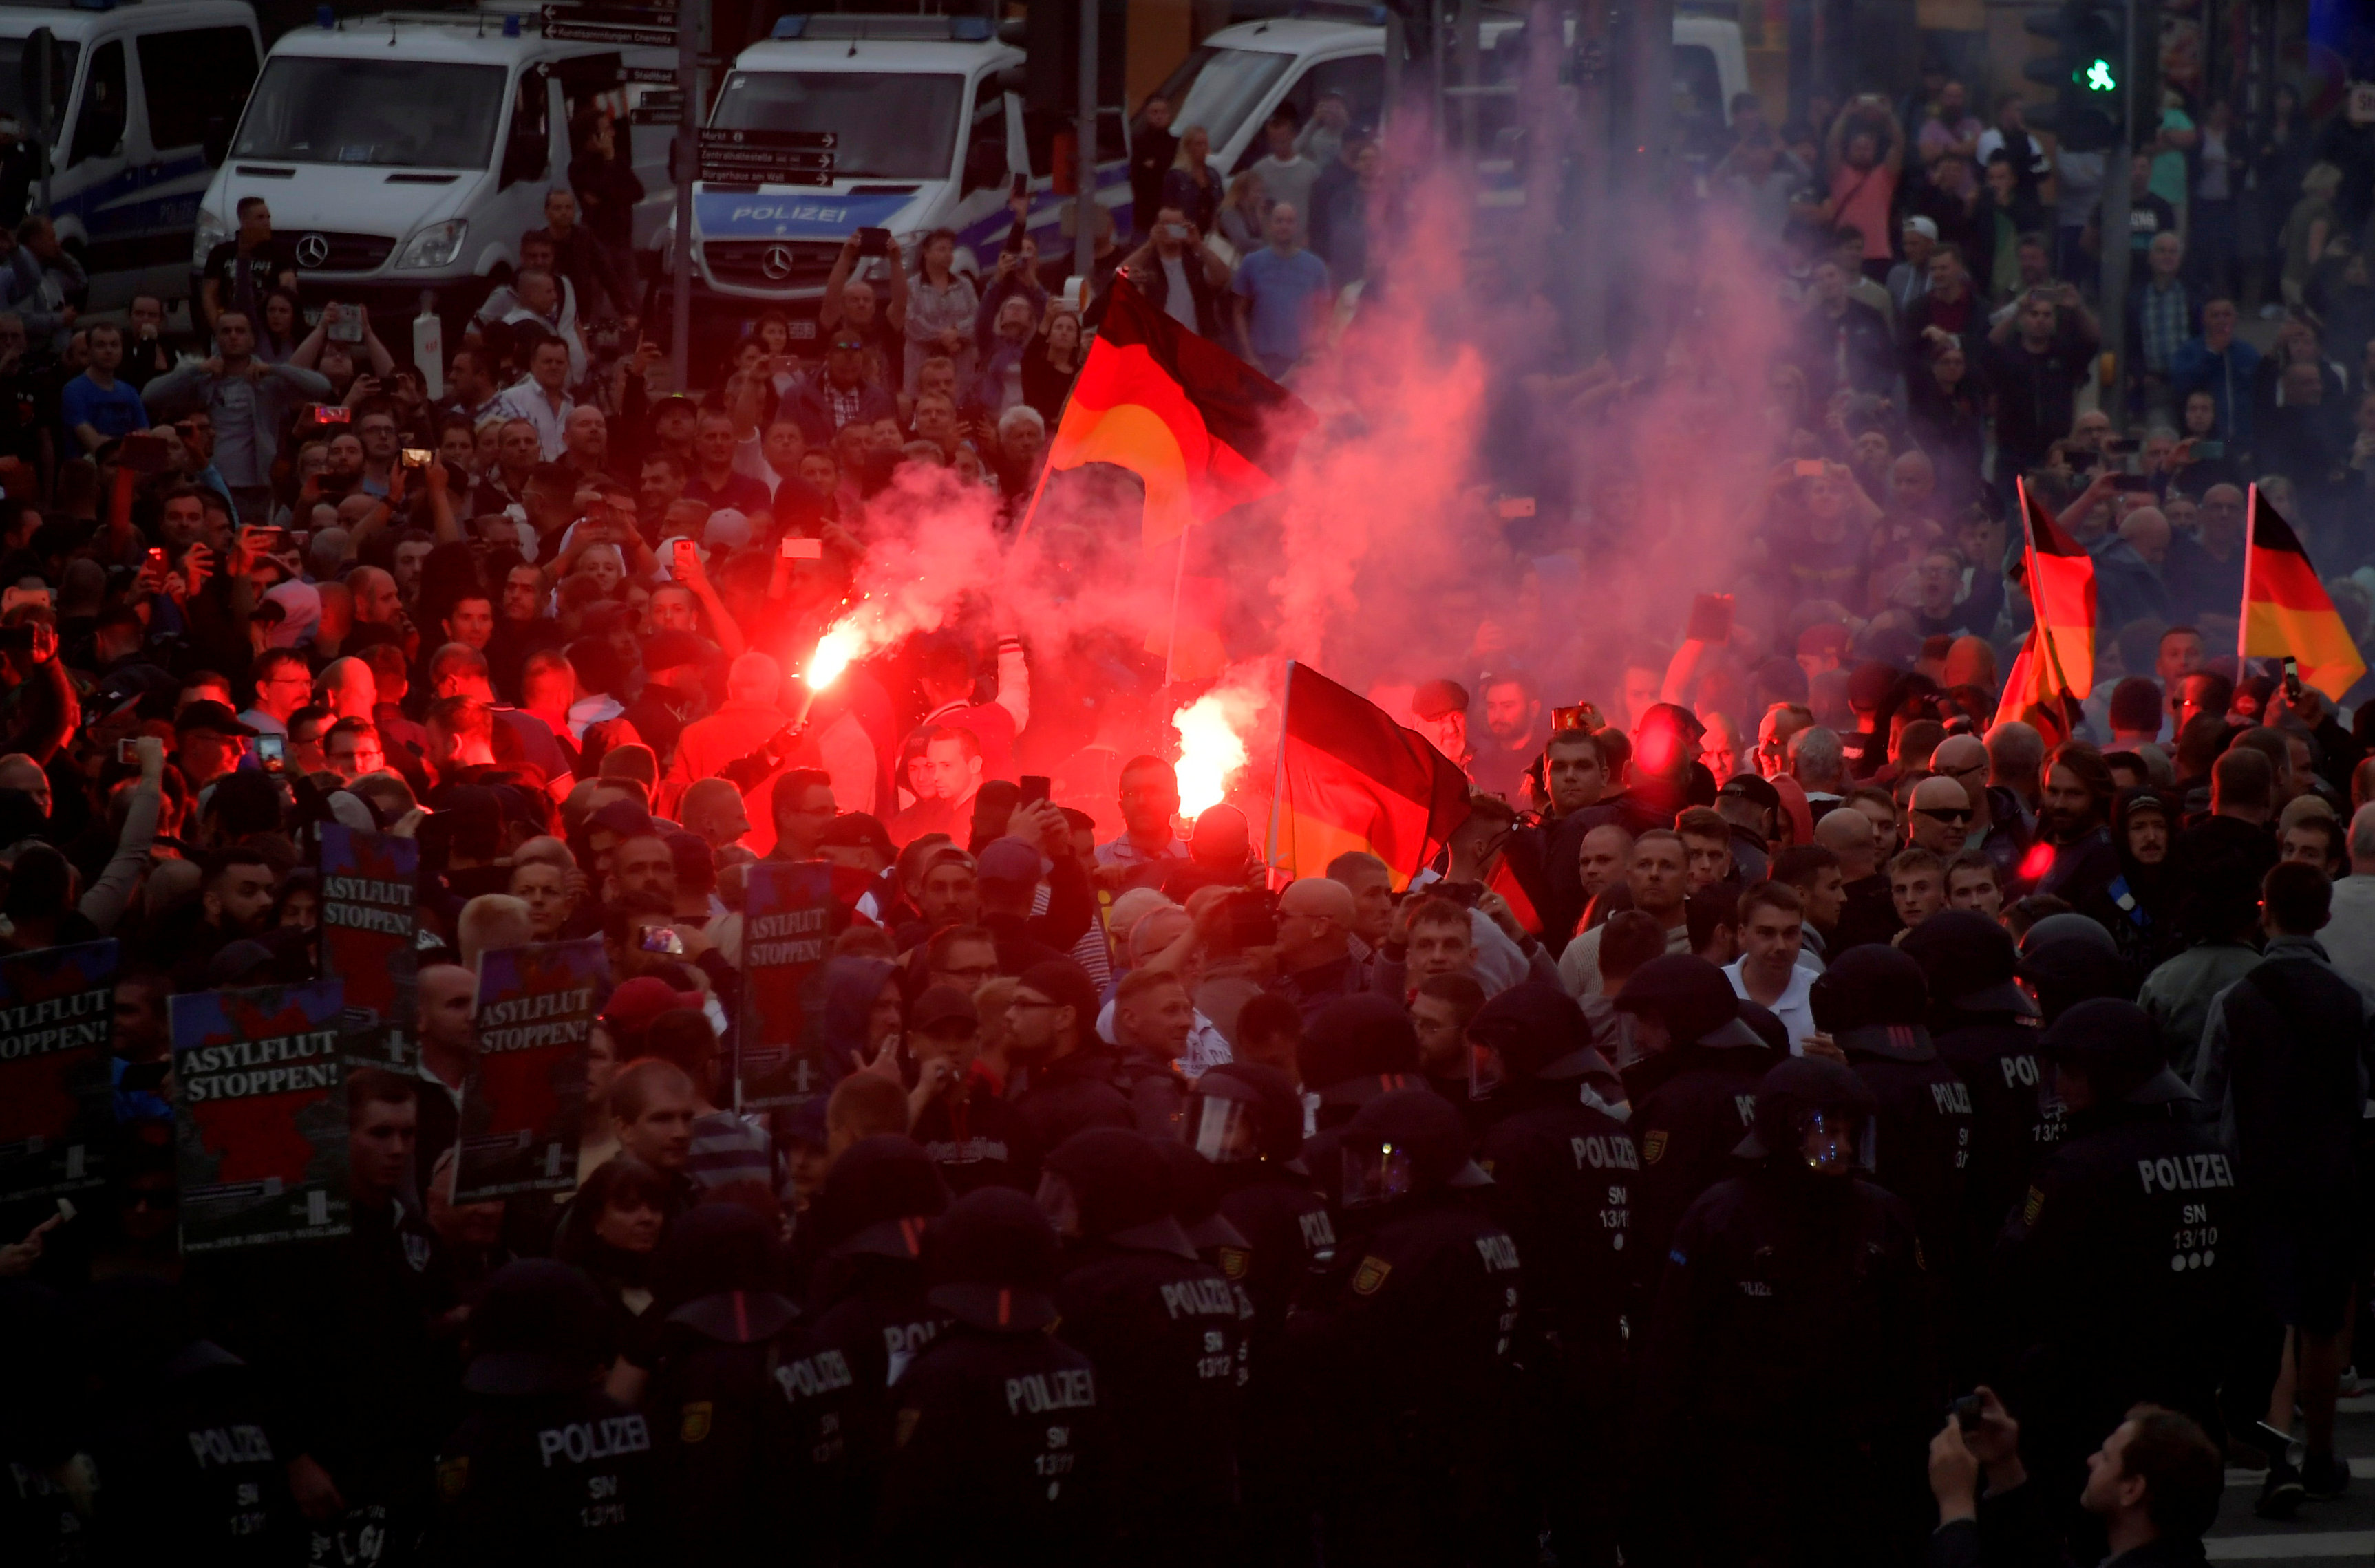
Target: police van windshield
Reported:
point(1221, 87)
point(12, 76)
point(385, 113)
point(901, 126)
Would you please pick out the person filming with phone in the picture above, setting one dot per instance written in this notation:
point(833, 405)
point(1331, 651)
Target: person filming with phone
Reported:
point(250, 403)
point(1179, 274)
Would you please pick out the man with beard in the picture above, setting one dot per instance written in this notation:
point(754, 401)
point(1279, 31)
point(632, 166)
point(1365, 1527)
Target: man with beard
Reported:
point(1441, 708)
point(2075, 808)
point(1513, 713)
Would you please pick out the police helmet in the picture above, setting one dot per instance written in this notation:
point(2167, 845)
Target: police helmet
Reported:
point(540, 1328)
point(2113, 1044)
point(1111, 1184)
point(1358, 1036)
point(1531, 1031)
point(721, 1271)
point(1691, 997)
point(877, 1196)
point(1240, 1112)
point(1196, 1188)
point(1810, 1095)
point(990, 1262)
point(2073, 969)
point(1403, 1144)
point(1969, 963)
point(1875, 1000)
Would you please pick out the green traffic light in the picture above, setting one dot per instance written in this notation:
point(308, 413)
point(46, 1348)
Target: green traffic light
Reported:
point(2099, 78)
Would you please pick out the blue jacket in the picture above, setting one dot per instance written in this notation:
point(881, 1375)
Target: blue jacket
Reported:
point(2226, 377)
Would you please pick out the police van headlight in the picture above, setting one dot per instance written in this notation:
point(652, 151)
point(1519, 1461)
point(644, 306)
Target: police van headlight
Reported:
point(436, 245)
point(211, 231)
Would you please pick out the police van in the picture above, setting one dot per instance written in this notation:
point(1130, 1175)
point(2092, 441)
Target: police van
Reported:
point(407, 152)
point(142, 97)
point(928, 134)
point(1235, 81)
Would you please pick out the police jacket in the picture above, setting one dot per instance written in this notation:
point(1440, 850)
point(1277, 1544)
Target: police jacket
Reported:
point(560, 1477)
point(1563, 1177)
point(747, 1413)
point(186, 1468)
point(2014, 1117)
point(1920, 1138)
point(1405, 1341)
point(1290, 1232)
point(1161, 1328)
point(985, 1144)
point(2122, 1252)
point(1787, 1291)
point(1692, 1104)
point(999, 1456)
point(871, 1309)
point(2289, 1046)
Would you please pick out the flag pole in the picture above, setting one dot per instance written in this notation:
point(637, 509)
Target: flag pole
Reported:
point(2243, 610)
point(1278, 777)
point(2037, 613)
point(1171, 644)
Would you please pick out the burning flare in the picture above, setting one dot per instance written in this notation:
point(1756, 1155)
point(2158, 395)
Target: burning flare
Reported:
point(1209, 751)
point(834, 652)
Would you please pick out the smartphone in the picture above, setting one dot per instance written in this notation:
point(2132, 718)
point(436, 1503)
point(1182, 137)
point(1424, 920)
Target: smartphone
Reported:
point(156, 562)
point(329, 413)
point(1034, 788)
point(346, 324)
point(2131, 482)
point(797, 549)
point(874, 242)
point(1583, 716)
point(125, 752)
point(663, 939)
point(1514, 506)
point(417, 457)
point(2292, 678)
point(2210, 449)
point(1710, 618)
point(11, 599)
point(272, 751)
point(301, 537)
point(1464, 894)
point(686, 558)
point(2117, 445)
point(1021, 186)
point(144, 455)
point(1967, 1413)
point(1808, 468)
point(1253, 920)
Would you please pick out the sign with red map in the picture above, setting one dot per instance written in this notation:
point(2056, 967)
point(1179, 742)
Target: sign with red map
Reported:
point(523, 1104)
point(260, 1116)
point(787, 906)
point(57, 1033)
point(369, 882)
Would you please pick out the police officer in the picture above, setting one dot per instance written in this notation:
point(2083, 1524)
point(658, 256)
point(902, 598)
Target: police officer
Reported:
point(1405, 1347)
point(999, 1445)
point(1985, 1028)
point(2068, 958)
point(1356, 1048)
point(1162, 1327)
point(1784, 1366)
point(1196, 1189)
point(866, 1289)
point(1562, 1168)
point(1694, 1091)
point(1245, 1120)
point(747, 1408)
point(179, 1438)
point(544, 1464)
point(1874, 1004)
point(2119, 1264)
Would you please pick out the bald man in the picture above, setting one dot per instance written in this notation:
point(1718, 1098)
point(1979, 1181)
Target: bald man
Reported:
point(449, 1052)
point(20, 772)
point(2147, 532)
point(1866, 914)
point(348, 689)
point(1314, 955)
point(376, 601)
point(1941, 818)
point(713, 808)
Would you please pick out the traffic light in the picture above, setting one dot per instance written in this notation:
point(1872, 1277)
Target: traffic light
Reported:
point(2088, 70)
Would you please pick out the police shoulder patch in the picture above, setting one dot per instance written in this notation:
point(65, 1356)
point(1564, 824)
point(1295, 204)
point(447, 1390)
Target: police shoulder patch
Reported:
point(694, 1425)
point(2036, 1205)
point(906, 1427)
point(1370, 1277)
point(1653, 1147)
point(1234, 1261)
point(454, 1476)
point(1921, 1264)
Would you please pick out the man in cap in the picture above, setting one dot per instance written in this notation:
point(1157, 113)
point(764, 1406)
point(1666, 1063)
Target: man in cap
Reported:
point(207, 737)
point(1010, 874)
point(972, 1136)
point(1067, 1077)
point(1161, 1326)
point(825, 400)
point(1751, 806)
point(1408, 1333)
point(1874, 1004)
point(746, 1405)
point(1441, 708)
point(1984, 1027)
point(544, 1461)
point(1798, 1252)
point(1562, 1168)
point(1694, 1090)
point(2117, 1270)
point(999, 1434)
point(2286, 1062)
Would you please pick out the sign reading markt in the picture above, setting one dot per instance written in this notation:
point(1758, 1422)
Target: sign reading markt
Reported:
point(735, 157)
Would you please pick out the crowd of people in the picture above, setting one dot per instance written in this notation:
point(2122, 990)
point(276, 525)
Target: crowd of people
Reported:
point(1876, 1131)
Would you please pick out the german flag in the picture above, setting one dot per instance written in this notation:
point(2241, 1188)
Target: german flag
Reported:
point(1202, 429)
point(2056, 665)
point(2287, 610)
point(1350, 778)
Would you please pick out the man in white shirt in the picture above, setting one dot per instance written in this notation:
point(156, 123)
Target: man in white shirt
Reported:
point(543, 399)
point(2349, 935)
point(1772, 927)
point(1286, 174)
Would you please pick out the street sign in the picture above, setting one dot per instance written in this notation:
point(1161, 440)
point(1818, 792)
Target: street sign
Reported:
point(651, 26)
point(766, 158)
point(661, 107)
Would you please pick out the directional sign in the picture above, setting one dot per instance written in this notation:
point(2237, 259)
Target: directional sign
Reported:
point(660, 108)
point(767, 158)
point(654, 25)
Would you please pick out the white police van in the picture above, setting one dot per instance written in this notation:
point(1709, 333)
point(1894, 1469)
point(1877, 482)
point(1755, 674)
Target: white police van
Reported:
point(142, 96)
point(929, 134)
point(409, 151)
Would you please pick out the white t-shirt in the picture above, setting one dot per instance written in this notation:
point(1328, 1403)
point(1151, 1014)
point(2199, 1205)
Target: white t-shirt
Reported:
point(1178, 298)
point(1795, 1008)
